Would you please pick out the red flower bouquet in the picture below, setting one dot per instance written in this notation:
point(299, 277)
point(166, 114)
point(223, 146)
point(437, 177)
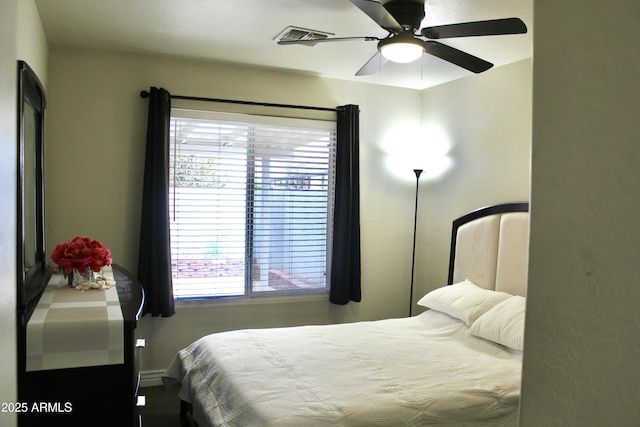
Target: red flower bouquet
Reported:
point(82, 254)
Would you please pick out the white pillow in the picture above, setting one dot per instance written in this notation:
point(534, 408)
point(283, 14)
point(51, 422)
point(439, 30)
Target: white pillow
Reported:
point(464, 300)
point(503, 324)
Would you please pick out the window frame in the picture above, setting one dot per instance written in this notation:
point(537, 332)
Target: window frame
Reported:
point(249, 293)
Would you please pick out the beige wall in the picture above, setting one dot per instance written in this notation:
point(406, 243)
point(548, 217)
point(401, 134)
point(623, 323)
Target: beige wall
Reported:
point(95, 159)
point(486, 120)
point(8, 160)
point(582, 343)
point(21, 37)
point(31, 41)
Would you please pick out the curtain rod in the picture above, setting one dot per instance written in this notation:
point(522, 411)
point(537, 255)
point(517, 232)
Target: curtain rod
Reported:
point(145, 94)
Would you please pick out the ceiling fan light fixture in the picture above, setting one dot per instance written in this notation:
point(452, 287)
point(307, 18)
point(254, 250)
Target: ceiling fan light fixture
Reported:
point(401, 52)
point(401, 48)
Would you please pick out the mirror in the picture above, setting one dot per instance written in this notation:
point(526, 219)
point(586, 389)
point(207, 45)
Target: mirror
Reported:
point(32, 270)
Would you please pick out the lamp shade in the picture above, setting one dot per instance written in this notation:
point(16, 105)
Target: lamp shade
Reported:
point(402, 48)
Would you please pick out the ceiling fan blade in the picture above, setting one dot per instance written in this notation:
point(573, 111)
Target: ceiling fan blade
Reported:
point(492, 27)
point(328, 39)
point(373, 65)
point(457, 57)
point(379, 14)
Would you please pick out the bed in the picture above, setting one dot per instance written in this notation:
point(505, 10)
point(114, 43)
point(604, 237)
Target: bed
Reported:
point(457, 363)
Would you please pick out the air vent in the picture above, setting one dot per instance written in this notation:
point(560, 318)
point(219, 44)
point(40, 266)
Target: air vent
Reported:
point(300, 34)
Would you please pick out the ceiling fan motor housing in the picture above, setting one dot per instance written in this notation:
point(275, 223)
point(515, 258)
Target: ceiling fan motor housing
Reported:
point(408, 13)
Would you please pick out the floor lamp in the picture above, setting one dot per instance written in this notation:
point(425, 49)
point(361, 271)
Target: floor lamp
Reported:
point(415, 225)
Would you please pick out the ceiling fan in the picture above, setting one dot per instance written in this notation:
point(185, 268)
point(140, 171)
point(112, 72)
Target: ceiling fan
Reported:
point(406, 42)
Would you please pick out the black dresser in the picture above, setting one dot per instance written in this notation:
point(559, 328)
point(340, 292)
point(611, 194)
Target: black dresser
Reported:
point(97, 396)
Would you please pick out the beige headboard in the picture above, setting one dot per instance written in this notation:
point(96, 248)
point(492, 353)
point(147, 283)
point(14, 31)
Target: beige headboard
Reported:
point(490, 247)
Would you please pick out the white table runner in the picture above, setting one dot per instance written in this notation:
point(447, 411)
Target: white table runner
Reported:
point(70, 328)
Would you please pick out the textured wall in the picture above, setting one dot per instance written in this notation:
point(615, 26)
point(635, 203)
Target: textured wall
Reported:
point(21, 37)
point(8, 160)
point(582, 344)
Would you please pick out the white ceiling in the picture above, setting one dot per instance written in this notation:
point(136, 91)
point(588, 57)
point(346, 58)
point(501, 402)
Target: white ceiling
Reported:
point(243, 31)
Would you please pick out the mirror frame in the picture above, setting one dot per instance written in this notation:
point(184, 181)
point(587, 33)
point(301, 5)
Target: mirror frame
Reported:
point(32, 270)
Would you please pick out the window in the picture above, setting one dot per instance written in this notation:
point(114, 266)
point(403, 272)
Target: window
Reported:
point(250, 204)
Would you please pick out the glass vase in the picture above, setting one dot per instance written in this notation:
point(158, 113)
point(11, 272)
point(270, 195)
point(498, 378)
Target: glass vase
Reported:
point(75, 277)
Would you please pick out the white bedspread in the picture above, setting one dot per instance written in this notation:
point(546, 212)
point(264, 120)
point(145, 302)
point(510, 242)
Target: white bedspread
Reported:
point(424, 370)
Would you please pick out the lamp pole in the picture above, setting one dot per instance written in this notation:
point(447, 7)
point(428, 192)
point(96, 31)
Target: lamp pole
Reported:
point(415, 226)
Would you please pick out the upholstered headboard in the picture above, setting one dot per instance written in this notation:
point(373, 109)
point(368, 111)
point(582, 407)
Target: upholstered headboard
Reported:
point(490, 247)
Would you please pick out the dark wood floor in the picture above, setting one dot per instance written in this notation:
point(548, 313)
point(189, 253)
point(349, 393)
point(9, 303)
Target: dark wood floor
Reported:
point(163, 408)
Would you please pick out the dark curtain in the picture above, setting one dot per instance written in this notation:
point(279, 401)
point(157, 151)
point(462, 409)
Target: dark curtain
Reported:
point(154, 258)
point(345, 260)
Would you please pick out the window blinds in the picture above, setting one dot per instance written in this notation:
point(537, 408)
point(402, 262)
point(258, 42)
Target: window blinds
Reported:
point(250, 203)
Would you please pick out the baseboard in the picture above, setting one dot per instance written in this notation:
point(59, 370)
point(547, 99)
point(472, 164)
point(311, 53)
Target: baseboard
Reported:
point(151, 378)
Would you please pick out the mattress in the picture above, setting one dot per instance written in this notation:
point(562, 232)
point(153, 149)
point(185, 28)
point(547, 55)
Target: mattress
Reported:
point(422, 370)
